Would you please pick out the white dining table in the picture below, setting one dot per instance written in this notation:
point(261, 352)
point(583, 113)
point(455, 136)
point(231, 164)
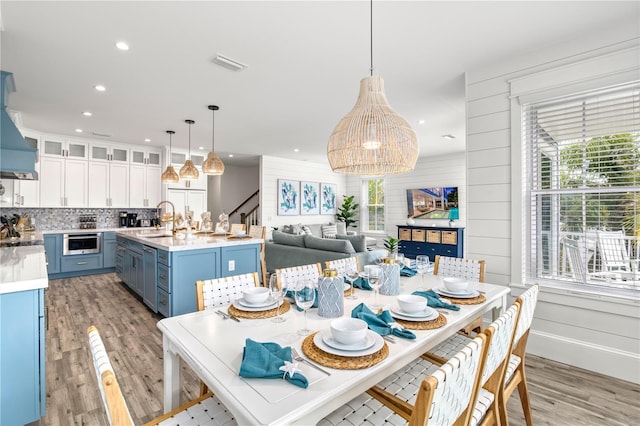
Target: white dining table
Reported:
point(212, 347)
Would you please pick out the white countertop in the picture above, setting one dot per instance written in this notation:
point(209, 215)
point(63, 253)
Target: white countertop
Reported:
point(151, 237)
point(22, 268)
point(89, 230)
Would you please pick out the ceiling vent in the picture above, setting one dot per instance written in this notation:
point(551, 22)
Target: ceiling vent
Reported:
point(228, 63)
point(102, 135)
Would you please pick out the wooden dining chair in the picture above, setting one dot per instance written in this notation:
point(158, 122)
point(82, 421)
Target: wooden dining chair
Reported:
point(444, 397)
point(344, 265)
point(238, 227)
point(222, 291)
point(256, 231)
point(287, 277)
point(205, 410)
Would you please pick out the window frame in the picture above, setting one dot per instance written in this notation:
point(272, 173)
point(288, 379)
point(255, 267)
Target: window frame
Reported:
point(364, 206)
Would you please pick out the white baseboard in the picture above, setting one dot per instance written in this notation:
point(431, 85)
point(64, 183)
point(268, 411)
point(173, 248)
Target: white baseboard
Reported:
point(600, 359)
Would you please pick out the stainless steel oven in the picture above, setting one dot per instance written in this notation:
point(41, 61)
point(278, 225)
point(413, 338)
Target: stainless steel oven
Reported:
point(85, 243)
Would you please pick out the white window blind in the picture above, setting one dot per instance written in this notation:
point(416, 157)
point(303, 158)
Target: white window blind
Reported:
point(582, 165)
point(373, 208)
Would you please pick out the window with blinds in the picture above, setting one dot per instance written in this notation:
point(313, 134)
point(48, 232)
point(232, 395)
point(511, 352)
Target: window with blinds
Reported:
point(582, 166)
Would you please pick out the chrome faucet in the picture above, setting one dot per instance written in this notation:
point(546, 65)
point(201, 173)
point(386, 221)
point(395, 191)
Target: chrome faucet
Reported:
point(173, 212)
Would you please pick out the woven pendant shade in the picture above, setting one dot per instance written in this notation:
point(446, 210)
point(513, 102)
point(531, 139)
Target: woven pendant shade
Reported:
point(188, 171)
point(213, 165)
point(372, 139)
point(170, 175)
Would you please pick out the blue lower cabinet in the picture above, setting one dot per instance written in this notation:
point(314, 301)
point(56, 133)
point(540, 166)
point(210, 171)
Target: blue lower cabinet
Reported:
point(82, 262)
point(22, 357)
point(150, 282)
point(187, 268)
point(53, 251)
point(238, 260)
point(109, 247)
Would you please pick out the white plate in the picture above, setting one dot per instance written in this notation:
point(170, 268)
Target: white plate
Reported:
point(430, 317)
point(377, 345)
point(270, 301)
point(368, 341)
point(426, 312)
point(468, 295)
point(246, 308)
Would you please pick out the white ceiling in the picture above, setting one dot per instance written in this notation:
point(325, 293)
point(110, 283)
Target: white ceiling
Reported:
point(305, 62)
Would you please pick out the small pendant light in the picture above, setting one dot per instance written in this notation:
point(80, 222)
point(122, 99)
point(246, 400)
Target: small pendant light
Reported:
point(372, 139)
point(213, 165)
point(189, 171)
point(170, 175)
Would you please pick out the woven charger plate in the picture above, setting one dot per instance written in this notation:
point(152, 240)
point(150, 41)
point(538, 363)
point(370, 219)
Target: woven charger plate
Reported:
point(342, 362)
point(473, 301)
point(259, 314)
point(423, 325)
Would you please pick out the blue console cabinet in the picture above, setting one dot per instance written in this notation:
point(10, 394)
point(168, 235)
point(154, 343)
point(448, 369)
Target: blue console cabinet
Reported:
point(430, 241)
point(22, 333)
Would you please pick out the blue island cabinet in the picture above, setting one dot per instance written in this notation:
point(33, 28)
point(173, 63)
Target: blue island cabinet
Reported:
point(22, 332)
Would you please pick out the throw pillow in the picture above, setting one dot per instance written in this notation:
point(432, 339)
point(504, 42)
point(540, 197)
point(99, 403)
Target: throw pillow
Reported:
point(359, 242)
point(340, 246)
point(287, 239)
point(306, 230)
point(329, 231)
point(297, 229)
point(287, 229)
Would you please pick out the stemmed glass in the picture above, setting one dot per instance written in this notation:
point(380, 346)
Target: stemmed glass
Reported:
point(422, 265)
point(305, 295)
point(352, 274)
point(277, 293)
point(374, 272)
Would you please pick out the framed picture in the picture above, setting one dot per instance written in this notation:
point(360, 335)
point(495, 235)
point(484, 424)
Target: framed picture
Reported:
point(309, 197)
point(288, 197)
point(328, 198)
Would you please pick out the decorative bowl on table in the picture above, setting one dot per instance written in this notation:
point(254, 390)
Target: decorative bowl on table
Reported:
point(410, 303)
point(348, 331)
point(456, 285)
point(255, 295)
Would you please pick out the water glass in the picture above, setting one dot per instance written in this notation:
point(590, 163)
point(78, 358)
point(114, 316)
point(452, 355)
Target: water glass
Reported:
point(422, 266)
point(305, 295)
point(375, 281)
point(277, 293)
point(352, 275)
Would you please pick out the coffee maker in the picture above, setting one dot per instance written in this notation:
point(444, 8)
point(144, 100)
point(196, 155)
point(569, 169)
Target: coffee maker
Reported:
point(122, 219)
point(132, 220)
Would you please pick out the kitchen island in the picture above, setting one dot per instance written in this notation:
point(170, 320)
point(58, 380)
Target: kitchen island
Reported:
point(23, 278)
point(163, 269)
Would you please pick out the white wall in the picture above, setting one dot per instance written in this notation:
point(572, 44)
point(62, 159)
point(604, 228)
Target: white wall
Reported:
point(593, 331)
point(441, 171)
point(274, 168)
point(226, 192)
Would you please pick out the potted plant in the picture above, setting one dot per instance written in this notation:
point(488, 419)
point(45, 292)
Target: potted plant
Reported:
point(348, 211)
point(391, 244)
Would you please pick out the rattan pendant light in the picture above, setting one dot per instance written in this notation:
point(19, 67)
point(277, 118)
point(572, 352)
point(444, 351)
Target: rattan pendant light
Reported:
point(170, 175)
point(213, 165)
point(189, 171)
point(372, 139)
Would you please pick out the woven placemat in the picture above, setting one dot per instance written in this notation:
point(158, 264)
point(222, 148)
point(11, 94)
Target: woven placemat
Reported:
point(342, 362)
point(259, 314)
point(423, 325)
point(473, 301)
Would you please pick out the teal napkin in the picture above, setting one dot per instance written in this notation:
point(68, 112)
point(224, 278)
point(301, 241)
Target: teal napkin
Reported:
point(382, 323)
point(434, 300)
point(290, 294)
point(405, 271)
point(263, 360)
point(360, 283)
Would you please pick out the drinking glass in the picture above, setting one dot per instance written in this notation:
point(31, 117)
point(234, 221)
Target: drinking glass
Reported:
point(375, 274)
point(353, 275)
point(305, 295)
point(277, 293)
point(422, 265)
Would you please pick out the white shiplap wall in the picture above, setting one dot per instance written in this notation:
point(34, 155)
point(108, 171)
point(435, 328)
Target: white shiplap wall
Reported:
point(592, 331)
point(431, 172)
point(274, 168)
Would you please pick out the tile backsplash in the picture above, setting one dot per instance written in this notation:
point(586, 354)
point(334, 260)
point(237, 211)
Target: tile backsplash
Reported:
point(53, 219)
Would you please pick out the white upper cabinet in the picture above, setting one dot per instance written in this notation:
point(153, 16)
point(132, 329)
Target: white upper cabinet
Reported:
point(178, 159)
point(108, 176)
point(103, 152)
point(64, 173)
point(151, 157)
point(145, 186)
point(52, 147)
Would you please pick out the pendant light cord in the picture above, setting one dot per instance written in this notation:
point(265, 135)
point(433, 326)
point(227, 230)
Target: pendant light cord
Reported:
point(213, 130)
point(371, 35)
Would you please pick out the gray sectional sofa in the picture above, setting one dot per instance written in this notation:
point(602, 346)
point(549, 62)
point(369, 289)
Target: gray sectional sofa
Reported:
point(287, 249)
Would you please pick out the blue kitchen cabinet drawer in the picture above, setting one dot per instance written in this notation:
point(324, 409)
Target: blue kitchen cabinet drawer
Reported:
point(83, 262)
point(164, 257)
point(163, 277)
point(164, 303)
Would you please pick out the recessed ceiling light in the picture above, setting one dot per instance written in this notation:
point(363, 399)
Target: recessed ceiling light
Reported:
point(78, 130)
point(228, 63)
point(99, 87)
point(147, 140)
point(230, 155)
point(122, 45)
point(296, 150)
point(87, 114)
point(201, 148)
point(422, 121)
point(448, 136)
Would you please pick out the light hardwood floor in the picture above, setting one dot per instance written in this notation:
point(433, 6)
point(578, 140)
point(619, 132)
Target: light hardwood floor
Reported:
point(560, 394)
